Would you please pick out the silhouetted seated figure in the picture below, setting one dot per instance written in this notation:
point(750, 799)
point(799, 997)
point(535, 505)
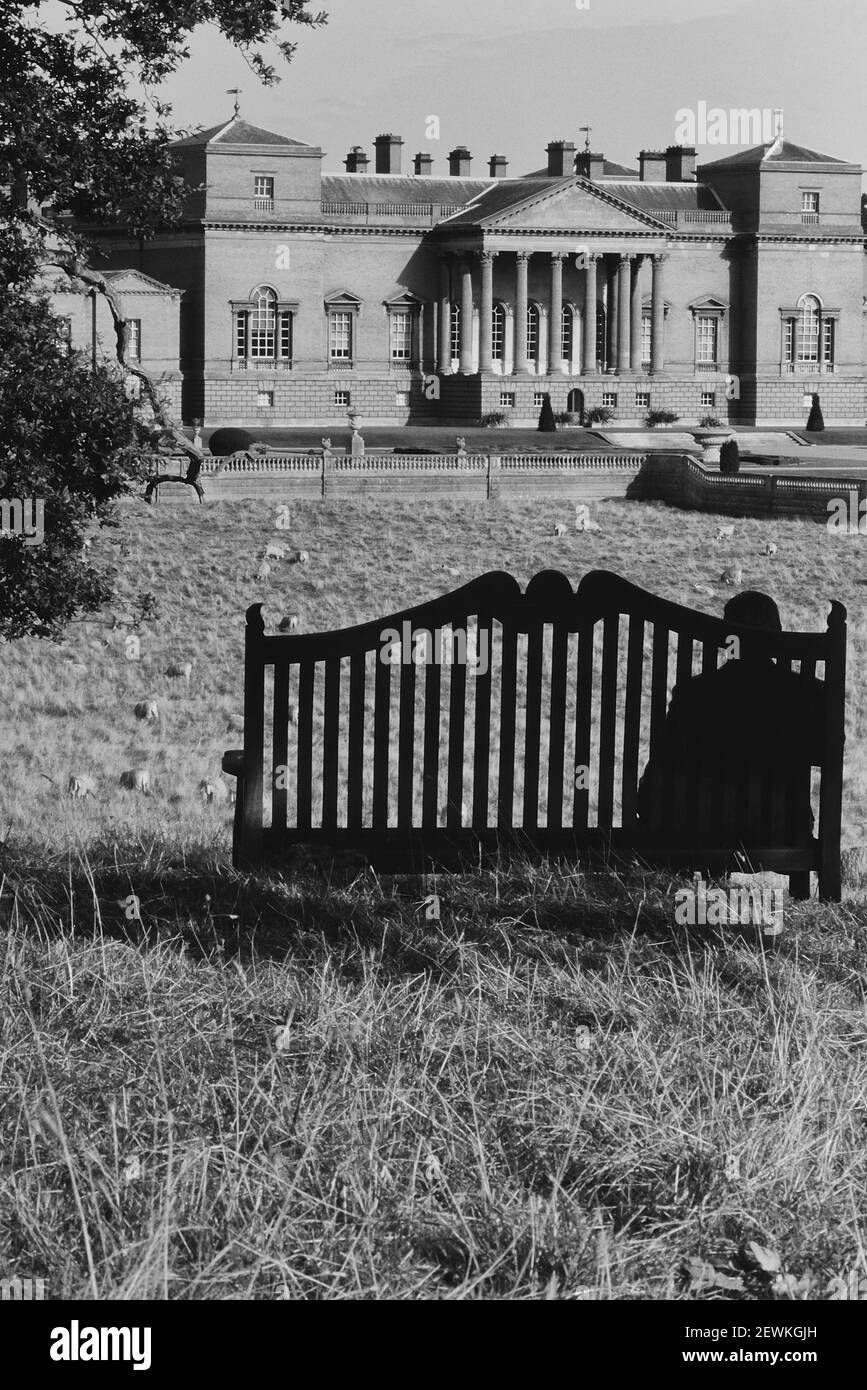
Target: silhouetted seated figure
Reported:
point(732, 766)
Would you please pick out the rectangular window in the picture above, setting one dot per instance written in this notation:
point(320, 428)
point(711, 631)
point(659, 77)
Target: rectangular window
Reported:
point(532, 334)
point(241, 333)
point(566, 334)
point(456, 331)
point(789, 342)
point(286, 336)
point(498, 324)
point(645, 339)
point(507, 398)
point(827, 343)
point(538, 398)
point(263, 192)
point(133, 341)
point(642, 399)
point(401, 336)
point(342, 398)
point(264, 400)
point(609, 398)
point(707, 336)
point(708, 399)
point(340, 337)
point(809, 202)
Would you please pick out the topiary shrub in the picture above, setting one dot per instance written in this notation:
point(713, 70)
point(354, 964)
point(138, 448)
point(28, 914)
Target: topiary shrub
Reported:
point(228, 441)
point(815, 422)
point(547, 423)
point(729, 457)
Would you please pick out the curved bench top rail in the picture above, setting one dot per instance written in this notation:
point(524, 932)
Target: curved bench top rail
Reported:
point(549, 598)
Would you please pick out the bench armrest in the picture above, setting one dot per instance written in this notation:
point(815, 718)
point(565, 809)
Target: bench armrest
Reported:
point(233, 762)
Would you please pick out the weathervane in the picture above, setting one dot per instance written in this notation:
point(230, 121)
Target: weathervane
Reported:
point(235, 92)
point(587, 129)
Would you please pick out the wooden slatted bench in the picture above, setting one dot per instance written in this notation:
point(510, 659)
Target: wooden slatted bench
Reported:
point(443, 763)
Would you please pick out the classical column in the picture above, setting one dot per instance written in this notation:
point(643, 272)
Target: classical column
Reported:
point(445, 314)
point(555, 316)
point(588, 355)
point(623, 271)
point(486, 315)
point(521, 364)
point(611, 339)
point(466, 363)
point(657, 323)
point(635, 317)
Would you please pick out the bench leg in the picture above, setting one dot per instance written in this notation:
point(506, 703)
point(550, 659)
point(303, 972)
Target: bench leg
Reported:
point(799, 884)
point(830, 884)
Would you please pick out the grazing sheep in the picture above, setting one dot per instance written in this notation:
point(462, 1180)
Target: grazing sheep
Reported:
point(275, 552)
point(263, 571)
point(180, 670)
point(81, 787)
point(725, 533)
point(215, 790)
point(147, 710)
point(559, 529)
point(732, 574)
point(288, 622)
point(137, 779)
point(770, 548)
point(301, 557)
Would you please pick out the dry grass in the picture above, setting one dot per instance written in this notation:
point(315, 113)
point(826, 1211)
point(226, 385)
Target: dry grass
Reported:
point(290, 1087)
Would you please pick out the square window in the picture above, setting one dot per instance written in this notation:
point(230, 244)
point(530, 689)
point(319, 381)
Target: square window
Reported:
point(264, 400)
point(642, 398)
point(708, 398)
point(342, 398)
point(609, 398)
point(539, 397)
point(507, 398)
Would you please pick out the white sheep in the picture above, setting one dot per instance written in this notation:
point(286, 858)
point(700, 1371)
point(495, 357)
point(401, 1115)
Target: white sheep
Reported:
point(301, 557)
point(263, 571)
point(80, 787)
point(732, 574)
point(275, 552)
point(770, 548)
point(288, 623)
point(148, 710)
point(559, 529)
point(725, 533)
point(137, 779)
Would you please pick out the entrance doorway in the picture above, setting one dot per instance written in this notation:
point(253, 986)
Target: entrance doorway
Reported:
point(575, 403)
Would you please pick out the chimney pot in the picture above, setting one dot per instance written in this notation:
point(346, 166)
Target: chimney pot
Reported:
point(497, 166)
point(680, 163)
point(589, 165)
point(459, 162)
point(652, 165)
point(356, 161)
point(422, 163)
point(388, 150)
point(561, 159)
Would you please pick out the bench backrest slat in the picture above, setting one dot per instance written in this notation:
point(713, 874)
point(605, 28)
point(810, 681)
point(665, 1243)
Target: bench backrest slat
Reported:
point(406, 746)
point(632, 717)
point(431, 750)
point(608, 718)
point(508, 713)
point(557, 730)
point(330, 743)
point(533, 726)
point(456, 732)
point(355, 774)
point(280, 744)
point(583, 717)
point(482, 736)
point(381, 737)
point(306, 686)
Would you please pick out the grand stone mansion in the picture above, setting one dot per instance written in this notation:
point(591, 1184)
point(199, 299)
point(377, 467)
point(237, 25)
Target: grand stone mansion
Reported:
point(734, 287)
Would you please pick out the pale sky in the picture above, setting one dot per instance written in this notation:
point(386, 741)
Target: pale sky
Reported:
point(507, 76)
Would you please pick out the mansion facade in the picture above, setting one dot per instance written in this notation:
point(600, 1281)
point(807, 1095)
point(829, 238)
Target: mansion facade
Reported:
point(734, 288)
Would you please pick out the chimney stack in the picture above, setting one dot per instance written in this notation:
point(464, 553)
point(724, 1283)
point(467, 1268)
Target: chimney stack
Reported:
point(680, 163)
point(356, 161)
point(561, 159)
point(388, 149)
point(652, 166)
point(422, 164)
point(497, 166)
point(589, 165)
point(459, 162)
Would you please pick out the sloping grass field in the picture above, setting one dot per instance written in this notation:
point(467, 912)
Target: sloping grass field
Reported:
point(307, 1087)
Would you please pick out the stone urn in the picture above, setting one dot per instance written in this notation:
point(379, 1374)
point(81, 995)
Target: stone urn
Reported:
point(710, 441)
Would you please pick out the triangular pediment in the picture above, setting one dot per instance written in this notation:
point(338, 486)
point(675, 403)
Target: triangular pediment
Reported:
point(573, 205)
point(343, 297)
point(135, 281)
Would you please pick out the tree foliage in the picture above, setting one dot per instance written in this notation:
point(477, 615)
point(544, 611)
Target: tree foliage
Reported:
point(75, 140)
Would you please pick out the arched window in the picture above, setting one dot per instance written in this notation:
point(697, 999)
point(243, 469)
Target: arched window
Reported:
point(533, 318)
point(809, 320)
point(498, 333)
point(263, 322)
point(263, 328)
